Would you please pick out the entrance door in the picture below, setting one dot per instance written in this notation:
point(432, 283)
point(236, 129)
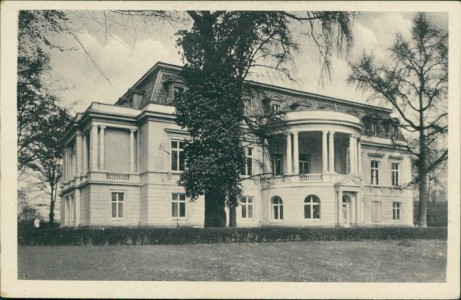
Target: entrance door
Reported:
point(345, 211)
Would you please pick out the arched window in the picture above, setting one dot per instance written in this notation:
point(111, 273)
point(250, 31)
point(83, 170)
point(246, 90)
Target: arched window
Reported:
point(312, 207)
point(277, 208)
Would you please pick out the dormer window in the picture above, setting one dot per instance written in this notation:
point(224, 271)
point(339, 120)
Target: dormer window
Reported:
point(178, 90)
point(373, 128)
point(175, 86)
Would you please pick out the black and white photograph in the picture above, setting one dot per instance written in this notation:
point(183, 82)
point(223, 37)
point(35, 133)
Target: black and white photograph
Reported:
point(230, 149)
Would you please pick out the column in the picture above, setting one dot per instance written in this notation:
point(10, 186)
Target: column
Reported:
point(132, 148)
point(289, 166)
point(78, 153)
point(295, 153)
point(339, 209)
point(77, 207)
point(101, 147)
point(94, 148)
point(353, 209)
point(358, 204)
point(332, 152)
point(64, 165)
point(359, 157)
point(355, 154)
point(324, 152)
point(85, 156)
point(351, 155)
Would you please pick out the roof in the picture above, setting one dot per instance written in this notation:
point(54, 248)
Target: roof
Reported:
point(172, 67)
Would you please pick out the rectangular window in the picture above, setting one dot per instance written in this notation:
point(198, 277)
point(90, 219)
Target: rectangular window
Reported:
point(374, 172)
point(178, 206)
point(395, 174)
point(304, 164)
point(277, 164)
point(177, 156)
point(376, 211)
point(247, 207)
point(275, 108)
point(248, 167)
point(118, 205)
point(396, 210)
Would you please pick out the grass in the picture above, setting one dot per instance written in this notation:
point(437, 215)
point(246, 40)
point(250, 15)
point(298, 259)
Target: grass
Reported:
point(315, 261)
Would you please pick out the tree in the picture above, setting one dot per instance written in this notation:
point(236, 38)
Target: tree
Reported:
point(415, 83)
point(219, 51)
point(34, 31)
point(40, 120)
point(48, 152)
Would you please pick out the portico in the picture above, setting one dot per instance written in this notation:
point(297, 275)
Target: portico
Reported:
point(322, 152)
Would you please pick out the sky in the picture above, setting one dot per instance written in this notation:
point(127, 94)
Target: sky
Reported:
point(102, 62)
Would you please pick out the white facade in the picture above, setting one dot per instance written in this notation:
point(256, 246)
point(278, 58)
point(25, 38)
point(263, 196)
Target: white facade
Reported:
point(337, 163)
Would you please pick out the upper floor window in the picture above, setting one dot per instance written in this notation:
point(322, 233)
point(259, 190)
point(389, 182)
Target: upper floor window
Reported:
point(374, 172)
point(396, 210)
point(277, 208)
point(247, 207)
point(177, 156)
point(312, 207)
point(248, 166)
point(304, 164)
point(178, 205)
point(395, 169)
point(118, 205)
point(277, 164)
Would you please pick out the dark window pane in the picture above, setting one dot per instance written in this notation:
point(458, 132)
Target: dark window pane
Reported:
point(174, 209)
point(120, 210)
point(276, 212)
point(114, 209)
point(250, 211)
point(174, 161)
point(250, 166)
point(244, 211)
point(182, 209)
point(281, 212)
point(316, 211)
point(307, 211)
point(120, 197)
point(181, 161)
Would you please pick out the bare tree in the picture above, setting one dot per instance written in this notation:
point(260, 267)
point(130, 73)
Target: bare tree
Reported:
point(415, 82)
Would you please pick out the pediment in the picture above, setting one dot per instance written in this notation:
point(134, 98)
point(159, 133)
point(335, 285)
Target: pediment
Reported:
point(351, 182)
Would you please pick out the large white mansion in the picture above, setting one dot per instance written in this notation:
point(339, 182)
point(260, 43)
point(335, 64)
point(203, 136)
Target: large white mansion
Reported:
point(337, 163)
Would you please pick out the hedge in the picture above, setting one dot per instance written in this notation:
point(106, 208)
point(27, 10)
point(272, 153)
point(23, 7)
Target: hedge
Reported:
point(151, 236)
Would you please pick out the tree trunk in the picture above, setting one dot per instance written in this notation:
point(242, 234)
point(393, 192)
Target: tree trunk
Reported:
point(215, 215)
point(232, 216)
point(51, 214)
point(423, 192)
point(422, 163)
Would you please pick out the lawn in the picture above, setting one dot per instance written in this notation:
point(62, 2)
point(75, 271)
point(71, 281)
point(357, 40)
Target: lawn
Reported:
point(314, 261)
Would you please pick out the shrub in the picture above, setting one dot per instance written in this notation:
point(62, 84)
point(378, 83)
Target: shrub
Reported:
point(150, 236)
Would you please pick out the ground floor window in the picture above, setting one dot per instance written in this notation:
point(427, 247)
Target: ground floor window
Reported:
point(376, 211)
point(118, 205)
point(69, 210)
point(247, 207)
point(312, 207)
point(277, 208)
point(396, 210)
point(178, 205)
